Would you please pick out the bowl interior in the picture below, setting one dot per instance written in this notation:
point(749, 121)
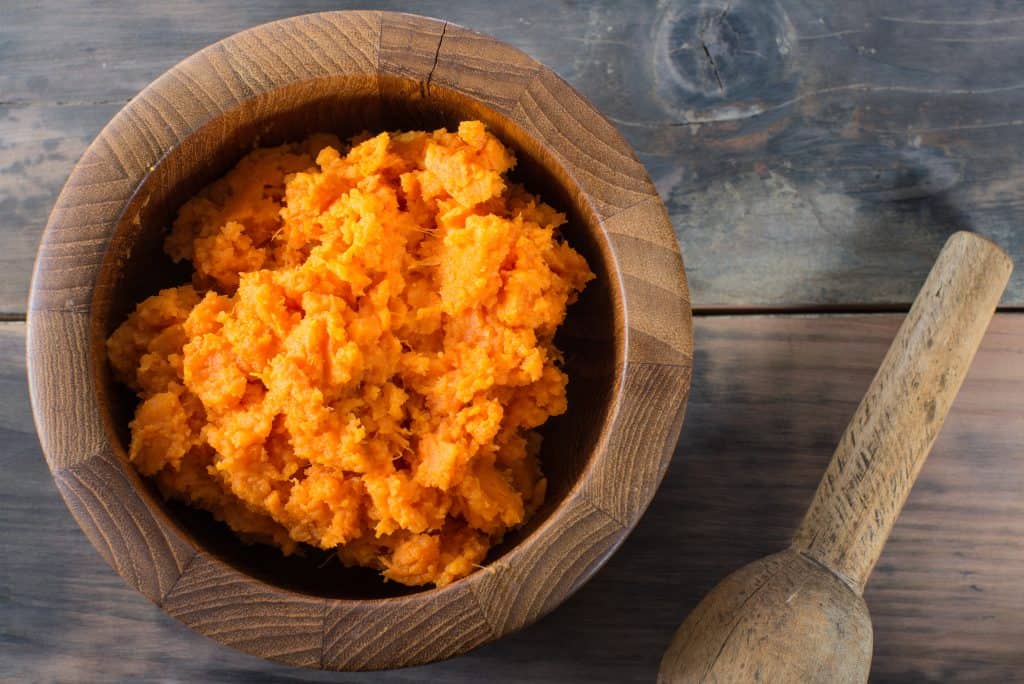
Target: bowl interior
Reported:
point(136, 267)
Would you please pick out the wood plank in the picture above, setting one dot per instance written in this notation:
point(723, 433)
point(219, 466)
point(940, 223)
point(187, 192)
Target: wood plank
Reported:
point(771, 395)
point(39, 143)
point(810, 154)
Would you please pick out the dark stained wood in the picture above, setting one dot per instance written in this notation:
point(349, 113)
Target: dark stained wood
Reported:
point(798, 615)
point(809, 154)
point(68, 393)
point(767, 407)
point(629, 342)
point(364, 636)
point(104, 498)
point(513, 595)
point(212, 599)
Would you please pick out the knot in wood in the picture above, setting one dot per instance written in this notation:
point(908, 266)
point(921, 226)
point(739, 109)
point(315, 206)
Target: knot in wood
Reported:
point(721, 49)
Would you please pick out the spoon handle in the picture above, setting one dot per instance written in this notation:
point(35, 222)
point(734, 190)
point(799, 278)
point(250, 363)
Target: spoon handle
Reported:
point(892, 431)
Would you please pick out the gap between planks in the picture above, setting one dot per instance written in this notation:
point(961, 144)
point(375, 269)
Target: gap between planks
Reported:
point(714, 311)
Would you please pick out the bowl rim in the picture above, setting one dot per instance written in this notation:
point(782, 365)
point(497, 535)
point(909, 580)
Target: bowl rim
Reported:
point(653, 367)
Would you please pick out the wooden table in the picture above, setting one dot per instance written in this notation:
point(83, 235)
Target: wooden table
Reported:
point(813, 156)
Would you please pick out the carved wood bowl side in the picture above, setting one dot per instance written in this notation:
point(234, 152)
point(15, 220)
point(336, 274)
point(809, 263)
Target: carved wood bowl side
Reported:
point(627, 342)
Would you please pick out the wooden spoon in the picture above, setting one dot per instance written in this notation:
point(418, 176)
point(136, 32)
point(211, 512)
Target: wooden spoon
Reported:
point(799, 615)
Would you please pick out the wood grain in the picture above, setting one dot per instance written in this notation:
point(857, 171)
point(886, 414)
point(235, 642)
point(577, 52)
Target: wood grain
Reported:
point(635, 238)
point(771, 396)
point(105, 500)
point(216, 600)
point(598, 159)
point(891, 434)
point(843, 145)
point(345, 72)
point(66, 395)
point(365, 636)
point(618, 483)
point(508, 590)
point(782, 603)
point(798, 615)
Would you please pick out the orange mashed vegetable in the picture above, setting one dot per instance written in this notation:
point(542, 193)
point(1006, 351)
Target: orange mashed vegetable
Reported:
point(364, 351)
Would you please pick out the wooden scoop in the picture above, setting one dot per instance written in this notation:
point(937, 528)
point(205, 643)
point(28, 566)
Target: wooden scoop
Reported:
point(798, 615)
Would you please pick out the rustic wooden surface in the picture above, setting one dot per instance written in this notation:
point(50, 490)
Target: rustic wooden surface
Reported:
point(844, 143)
point(798, 615)
point(767, 408)
point(809, 153)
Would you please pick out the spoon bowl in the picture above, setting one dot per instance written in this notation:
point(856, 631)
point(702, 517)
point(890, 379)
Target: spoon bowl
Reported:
point(783, 603)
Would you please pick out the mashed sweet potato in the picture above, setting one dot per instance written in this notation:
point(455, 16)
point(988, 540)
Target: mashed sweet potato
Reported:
point(364, 351)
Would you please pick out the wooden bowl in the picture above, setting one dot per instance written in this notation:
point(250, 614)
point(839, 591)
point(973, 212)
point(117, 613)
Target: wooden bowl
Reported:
point(627, 341)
